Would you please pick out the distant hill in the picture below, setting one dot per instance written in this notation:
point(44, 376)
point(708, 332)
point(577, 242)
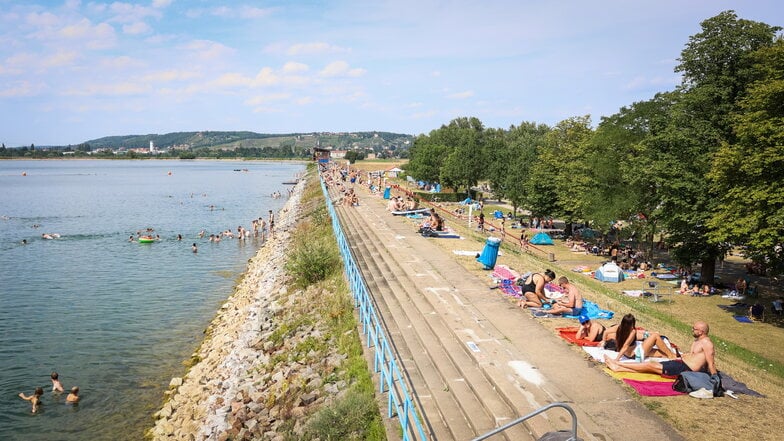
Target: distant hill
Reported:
point(231, 140)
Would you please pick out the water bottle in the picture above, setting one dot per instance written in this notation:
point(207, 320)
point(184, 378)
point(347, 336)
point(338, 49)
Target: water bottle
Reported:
point(639, 354)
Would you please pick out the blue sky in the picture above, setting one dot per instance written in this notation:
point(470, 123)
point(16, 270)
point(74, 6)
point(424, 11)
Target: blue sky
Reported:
point(71, 71)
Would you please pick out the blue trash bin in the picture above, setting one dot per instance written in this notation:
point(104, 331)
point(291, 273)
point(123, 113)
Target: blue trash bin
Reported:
point(387, 192)
point(489, 253)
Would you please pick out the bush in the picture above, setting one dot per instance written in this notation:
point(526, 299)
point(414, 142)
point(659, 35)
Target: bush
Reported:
point(352, 417)
point(314, 256)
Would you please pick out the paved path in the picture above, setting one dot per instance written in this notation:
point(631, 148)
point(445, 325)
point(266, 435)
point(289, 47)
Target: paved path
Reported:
point(475, 360)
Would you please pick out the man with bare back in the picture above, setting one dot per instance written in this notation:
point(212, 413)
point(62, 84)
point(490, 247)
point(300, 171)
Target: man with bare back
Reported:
point(699, 358)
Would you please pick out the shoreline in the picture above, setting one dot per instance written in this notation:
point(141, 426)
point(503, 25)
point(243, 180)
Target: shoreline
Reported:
point(223, 379)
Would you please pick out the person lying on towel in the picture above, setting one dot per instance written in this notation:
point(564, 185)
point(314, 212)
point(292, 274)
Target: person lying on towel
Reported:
point(699, 358)
point(589, 330)
point(624, 337)
point(572, 301)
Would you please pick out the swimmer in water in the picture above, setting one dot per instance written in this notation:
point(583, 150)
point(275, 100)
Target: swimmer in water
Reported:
point(73, 397)
point(194, 249)
point(56, 385)
point(35, 398)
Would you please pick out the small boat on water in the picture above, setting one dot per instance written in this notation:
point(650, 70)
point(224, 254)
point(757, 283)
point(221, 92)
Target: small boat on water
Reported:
point(290, 182)
point(146, 239)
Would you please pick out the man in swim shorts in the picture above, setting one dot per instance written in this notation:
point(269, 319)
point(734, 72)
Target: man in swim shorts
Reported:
point(572, 301)
point(699, 358)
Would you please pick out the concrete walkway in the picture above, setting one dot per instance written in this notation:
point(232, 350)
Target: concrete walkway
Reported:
point(475, 360)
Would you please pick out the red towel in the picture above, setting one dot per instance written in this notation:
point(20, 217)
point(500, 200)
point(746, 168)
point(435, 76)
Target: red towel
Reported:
point(570, 334)
point(653, 388)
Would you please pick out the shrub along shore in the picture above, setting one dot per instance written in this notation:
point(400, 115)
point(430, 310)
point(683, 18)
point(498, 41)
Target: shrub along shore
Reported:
point(282, 358)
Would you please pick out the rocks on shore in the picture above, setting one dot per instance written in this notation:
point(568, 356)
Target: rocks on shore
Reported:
point(243, 385)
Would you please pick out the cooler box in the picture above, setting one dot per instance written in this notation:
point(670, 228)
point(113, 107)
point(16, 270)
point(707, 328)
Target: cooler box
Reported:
point(489, 253)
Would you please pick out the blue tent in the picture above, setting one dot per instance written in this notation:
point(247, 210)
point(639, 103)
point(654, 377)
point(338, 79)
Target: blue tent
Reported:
point(541, 239)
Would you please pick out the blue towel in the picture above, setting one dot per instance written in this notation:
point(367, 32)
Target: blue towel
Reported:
point(593, 311)
point(743, 319)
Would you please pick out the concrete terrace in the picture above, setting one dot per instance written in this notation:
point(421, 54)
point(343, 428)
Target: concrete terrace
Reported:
point(473, 361)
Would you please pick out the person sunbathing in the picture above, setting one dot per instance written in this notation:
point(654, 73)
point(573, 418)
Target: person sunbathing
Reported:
point(701, 357)
point(684, 287)
point(627, 335)
point(590, 330)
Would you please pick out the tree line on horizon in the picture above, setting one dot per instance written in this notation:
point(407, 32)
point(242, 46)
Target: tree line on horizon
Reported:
point(221, 144)
point(703, 164)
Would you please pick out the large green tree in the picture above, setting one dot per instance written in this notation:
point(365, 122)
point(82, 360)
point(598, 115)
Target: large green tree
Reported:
point(466, 162)
point(749, 174)
point(716, 67)
point(510, 170)
point(559, 177)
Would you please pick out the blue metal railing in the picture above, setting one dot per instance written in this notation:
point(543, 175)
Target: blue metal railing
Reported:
point(391, 379)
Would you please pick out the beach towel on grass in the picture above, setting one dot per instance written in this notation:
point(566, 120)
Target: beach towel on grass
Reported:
point(653, 388)
point(634, 292)
point(593, 311)
point(743, 319)
point(570, 335)
point(510, 289)
point(503, 272)
point(639, 376)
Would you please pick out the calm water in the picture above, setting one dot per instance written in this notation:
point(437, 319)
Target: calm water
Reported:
point(115, 318)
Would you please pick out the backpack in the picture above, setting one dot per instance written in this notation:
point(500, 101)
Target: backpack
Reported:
point(690, 381)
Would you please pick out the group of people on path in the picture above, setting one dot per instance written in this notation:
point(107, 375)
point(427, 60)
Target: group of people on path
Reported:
point(57, 388)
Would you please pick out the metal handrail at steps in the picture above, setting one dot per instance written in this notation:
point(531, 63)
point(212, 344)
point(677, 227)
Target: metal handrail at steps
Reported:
point(554, 436)
point(391, 378)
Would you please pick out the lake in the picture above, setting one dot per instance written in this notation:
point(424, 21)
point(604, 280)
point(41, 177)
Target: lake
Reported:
point(114, 317)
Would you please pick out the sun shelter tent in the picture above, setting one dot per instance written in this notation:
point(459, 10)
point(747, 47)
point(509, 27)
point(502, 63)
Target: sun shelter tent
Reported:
point(393, 172)
point(609, 272)
point(541, 239)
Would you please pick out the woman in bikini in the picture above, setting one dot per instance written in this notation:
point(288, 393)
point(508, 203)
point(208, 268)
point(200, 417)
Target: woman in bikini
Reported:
point(627, 335)
point(590, 330)
point(533, 289)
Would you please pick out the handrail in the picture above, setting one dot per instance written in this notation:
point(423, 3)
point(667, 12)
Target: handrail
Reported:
point(391, 379)
point(498, 430)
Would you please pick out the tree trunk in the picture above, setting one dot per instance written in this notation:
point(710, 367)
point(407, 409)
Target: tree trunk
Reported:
point(708, 271)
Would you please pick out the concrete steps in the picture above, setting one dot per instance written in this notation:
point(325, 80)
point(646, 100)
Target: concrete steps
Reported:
point(475, 360)
point(449, 381)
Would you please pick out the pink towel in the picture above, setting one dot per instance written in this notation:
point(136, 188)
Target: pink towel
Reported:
point(653, 388)
point(504, 272)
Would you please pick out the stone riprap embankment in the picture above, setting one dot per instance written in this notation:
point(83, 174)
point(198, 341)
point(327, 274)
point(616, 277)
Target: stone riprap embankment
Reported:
point(233, 391)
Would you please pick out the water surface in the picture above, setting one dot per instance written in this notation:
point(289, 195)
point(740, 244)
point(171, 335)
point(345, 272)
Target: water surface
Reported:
point(113, 317)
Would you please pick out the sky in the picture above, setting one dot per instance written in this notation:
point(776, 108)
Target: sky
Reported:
point(71, 71)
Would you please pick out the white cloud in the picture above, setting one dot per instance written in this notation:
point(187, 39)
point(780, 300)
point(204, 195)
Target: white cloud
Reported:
point(118, 89)
point(136, 28)
point(130, 13)
point(161, 3)
point(59, 59)
point(305, 100)
point(261, 99)
point(266, 77)
point(42, 20)
point(122, 62)
point(240, 12)
point(100, 36)
point(313, 48)
point(461, 95)
point(21, 88)
point(341, 69)
point(208, 50)
point(233, 80)
point(169, 75)
point(294, 67)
